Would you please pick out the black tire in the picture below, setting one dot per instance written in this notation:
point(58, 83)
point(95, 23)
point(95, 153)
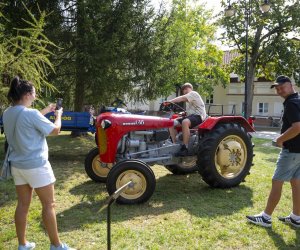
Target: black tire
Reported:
point(225, 156)
point(131, 170)
point(94, 168)
point(187, 166)
point(96, 140)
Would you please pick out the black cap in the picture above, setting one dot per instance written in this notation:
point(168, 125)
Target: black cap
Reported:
point(281, 80)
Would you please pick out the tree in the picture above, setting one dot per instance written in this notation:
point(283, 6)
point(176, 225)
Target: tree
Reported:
point(272, 51)
point(25, 54)
point(114, 50)
point(189, 54)
point(125, 48)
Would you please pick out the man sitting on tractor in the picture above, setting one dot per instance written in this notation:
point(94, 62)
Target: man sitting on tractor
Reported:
point(195, 114)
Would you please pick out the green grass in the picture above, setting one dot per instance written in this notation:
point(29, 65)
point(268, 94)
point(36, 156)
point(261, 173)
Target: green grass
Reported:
point(183, 213)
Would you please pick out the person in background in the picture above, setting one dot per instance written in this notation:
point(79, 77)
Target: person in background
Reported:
point(26, 130)
point(195, 115)
point(288, 162)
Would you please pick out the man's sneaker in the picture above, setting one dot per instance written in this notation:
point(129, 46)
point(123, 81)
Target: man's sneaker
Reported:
point(63, 246)
point(290, 220)
point(259, 220)
point(27, 246)
point(182, 152)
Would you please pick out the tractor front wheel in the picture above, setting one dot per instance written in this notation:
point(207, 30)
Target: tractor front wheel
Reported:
point(225, 156)
point(94, 168)
point(136, 171)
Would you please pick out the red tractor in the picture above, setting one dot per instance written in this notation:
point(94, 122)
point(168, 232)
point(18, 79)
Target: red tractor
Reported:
point(128, 144)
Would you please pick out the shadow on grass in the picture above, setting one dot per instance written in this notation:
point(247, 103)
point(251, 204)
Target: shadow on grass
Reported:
point(7, 192)
point(279, 241)
point(66, 155)
point(172, 193)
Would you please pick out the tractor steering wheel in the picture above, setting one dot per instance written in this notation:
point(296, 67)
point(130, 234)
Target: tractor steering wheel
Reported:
point(118, 103)
point(171, 106)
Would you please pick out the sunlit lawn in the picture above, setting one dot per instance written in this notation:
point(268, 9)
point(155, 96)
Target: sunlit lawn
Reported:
point(183, 213)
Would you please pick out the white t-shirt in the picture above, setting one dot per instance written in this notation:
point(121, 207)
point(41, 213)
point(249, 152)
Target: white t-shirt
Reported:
point(26, 138)
point(195, 105)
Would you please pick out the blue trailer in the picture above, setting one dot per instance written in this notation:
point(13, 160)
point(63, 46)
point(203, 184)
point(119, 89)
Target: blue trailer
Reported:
point(78, 121)
point(71, 121)
point(75, 121)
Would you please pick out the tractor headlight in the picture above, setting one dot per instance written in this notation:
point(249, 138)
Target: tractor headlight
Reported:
point(105, 124)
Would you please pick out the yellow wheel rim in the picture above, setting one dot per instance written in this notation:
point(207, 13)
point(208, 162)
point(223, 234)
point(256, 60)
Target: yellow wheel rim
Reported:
point(231, 156)
point(139, 184)
point(101, 169)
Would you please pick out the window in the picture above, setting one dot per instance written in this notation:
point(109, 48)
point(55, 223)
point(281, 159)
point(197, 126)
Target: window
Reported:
point(210, 99)
point(263, 108)
point(234, 79)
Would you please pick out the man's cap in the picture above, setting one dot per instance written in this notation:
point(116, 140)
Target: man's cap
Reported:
point(281, 80)
point(186, 85)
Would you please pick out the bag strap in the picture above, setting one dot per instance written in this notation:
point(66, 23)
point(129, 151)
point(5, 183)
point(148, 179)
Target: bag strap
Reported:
point(14, 130)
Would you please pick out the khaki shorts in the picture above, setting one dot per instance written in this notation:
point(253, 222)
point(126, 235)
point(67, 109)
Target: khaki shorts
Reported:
point(35, 177)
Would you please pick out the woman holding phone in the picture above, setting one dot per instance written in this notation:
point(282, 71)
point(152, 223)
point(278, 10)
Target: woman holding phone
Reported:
point(26, 130)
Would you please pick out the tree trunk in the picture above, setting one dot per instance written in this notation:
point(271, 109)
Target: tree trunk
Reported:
point(251, 69)
point(250, 87)
point(80, 65)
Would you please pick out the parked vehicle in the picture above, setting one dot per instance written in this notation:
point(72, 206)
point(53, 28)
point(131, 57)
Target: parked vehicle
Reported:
point(128, 144)
point(75, 121)
point(71, 121)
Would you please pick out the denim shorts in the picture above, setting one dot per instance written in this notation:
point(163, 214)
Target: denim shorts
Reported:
point(35, 177)
point(287, 166)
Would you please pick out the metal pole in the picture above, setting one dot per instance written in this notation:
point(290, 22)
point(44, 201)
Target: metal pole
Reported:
point(247, 17)
point(108, 226)
point(110, 201)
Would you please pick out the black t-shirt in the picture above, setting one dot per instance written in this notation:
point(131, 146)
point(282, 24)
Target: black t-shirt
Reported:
point(291, 114)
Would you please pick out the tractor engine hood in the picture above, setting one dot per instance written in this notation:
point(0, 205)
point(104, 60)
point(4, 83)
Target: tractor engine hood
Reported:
point(111, 127)
point(129, 122)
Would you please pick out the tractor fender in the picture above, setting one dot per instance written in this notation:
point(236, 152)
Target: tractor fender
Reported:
point(210, 122)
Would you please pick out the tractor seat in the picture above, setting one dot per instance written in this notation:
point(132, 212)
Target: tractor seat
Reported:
point(196, 127)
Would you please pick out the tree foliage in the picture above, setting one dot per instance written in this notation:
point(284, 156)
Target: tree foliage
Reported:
point(25, 54)
point(108, 49)
point(126, 48)
point(190, 55)
point(272, 47)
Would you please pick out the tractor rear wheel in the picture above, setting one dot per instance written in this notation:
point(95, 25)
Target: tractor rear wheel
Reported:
point(188, 165)
point(136, 171)
point(94, 168)
point(225, 156)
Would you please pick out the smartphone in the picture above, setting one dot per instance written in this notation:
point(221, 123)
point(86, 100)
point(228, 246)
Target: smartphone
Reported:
point(58, 103)
point(274, 143)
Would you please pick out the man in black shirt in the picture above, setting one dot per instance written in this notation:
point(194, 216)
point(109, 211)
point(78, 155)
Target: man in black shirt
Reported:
point(288, 163)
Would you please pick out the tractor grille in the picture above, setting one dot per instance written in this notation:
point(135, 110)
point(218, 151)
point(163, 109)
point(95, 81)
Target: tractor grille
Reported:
point(102, 139)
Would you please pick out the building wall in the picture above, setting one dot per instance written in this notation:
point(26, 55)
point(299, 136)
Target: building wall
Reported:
point(265, 100)
point(151, 105)
point(229, 97)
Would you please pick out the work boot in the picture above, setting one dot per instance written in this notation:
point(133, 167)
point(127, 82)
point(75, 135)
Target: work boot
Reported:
point(182, 152)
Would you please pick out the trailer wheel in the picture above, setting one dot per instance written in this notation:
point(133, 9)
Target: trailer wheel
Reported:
point(94, 168)
point(188, 165)
point(225, 156)
point(136, 171)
